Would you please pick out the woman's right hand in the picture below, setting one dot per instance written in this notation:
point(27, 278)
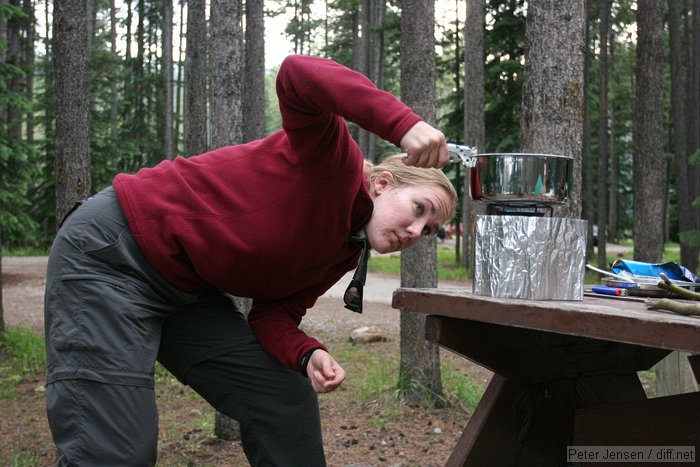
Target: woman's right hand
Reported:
point(425, 146)
point(324, 372)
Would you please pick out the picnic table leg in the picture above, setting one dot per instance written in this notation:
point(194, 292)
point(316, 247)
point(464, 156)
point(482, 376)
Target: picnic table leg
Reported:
point(694, 361)
point(515, 424)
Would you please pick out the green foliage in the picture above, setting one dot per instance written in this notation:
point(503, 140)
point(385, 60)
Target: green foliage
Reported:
point(21, 353)
point(447, 269)
point(28, 459)
point(375, 377)
point(27, 206)
point(273, 120)
point(341, 19)
point(691, 237)
point(460, 388)
point(17, 176)
point(302, 29)
point(503, 74)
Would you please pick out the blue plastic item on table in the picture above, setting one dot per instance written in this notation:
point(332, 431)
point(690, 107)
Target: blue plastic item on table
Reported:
point(674, 271)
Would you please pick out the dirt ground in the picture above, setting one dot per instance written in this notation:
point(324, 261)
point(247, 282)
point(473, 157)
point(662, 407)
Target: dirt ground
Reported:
point(354, 434)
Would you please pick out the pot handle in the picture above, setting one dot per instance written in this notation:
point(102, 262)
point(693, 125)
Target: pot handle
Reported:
point(459, 153)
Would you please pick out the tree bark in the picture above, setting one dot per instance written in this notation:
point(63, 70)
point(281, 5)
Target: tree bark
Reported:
point(168, 143)
point(689, 253)
point(419, 373)
point(226, 108)
point(474, 121)
point(28, 66)
point(226, 72)
point(603, 133)
point(254, 81)
point(196, 79)
point(694, 136)
point(180, 81)
point(552, 111)
point(13, 57)
point(614, 158)
point(360, 62)
point(587, 161)
point(2, 310)
point(648, 134)
point(72, 163)
point(373, 42)
point(113, 108)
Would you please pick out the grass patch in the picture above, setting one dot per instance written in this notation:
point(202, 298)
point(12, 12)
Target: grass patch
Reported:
point(29, 459)
point(21, 353)
point(375, 382)
point(460, 388)
point(25, 251)
point(447, 267)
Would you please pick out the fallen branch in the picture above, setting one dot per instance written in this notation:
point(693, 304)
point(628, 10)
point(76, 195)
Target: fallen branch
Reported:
point(666, 284)
point(681, 308)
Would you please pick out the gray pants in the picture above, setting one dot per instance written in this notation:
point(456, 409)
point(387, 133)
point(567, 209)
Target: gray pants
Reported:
point(109, 316)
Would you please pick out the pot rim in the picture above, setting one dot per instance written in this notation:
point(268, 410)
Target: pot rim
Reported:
point(518, 154)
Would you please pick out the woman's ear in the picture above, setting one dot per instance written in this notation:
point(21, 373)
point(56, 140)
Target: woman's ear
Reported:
point(382, 182)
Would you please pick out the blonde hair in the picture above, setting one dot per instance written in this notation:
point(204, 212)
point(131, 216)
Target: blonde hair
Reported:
point(415, 176)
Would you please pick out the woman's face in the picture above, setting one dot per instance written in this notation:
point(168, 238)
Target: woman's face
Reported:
point(403, 214)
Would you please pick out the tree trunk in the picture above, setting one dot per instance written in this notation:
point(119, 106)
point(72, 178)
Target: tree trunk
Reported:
point(226, 72)
point(180, 82)
point(226, 106)
point(588, 163)
point(196, 79)
point(13, 58)
point(139, 115)
point(3, 59)
point(28, 66)
point(680, 135)
point(3, 38)
point(648, 134)
point(2, 310)
point(168, 143)
point(603, 134)
point(72, 163)
point(419, 373)
point(113, 109)
point(693, 99)
point(375, 68)
point(552, 112)
point(474, 124)
point(254, 81)
point(614, 158)
point(360, 63)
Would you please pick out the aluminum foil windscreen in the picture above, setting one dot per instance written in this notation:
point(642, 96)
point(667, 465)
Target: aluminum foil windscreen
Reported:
point(533, 258)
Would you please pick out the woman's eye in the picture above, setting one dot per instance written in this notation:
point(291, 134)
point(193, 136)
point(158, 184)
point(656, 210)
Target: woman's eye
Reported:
point(420, 208)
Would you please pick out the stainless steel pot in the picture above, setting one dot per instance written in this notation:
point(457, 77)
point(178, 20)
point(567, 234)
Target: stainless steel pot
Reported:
point(516, 178)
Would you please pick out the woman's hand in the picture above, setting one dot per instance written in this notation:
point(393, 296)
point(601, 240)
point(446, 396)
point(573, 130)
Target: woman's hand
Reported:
point(425, 146)
point(324, 372)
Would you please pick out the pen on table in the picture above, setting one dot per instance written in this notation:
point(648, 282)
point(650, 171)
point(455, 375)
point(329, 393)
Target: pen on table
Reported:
point(602, 289)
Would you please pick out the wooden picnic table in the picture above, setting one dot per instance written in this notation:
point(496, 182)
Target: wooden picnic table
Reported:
point(565, 373)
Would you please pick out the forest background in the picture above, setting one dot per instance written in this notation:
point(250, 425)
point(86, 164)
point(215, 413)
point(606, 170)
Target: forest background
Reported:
point(151, 96)
point(160, 79)
point(130, 88)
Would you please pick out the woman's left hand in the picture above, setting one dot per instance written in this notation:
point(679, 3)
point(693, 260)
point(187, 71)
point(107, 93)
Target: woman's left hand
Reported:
point(425, 146)
point(324, 372)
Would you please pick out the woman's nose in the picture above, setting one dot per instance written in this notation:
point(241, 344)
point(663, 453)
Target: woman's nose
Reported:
point(416, 229)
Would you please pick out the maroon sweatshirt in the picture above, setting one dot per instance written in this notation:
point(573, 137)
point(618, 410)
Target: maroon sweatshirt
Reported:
point(270, 219)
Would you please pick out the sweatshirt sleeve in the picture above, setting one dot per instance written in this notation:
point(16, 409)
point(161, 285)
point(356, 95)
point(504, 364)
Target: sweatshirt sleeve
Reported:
point(276, 325)
point(312, 91)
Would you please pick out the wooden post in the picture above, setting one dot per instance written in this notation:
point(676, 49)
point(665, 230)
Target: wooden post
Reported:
point(674, 375)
